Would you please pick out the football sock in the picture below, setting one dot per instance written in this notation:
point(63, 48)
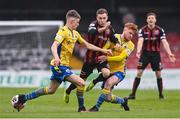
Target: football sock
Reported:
point(70, 88)
point(160, 85)
point(80, 93)
point(135, 85)
point(117, 100)
point(102, 98)
point(36, 93)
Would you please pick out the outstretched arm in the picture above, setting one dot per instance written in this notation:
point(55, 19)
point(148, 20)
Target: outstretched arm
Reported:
point(94, 48)
point(118, 58)
point(54, 53)
point(168, 50)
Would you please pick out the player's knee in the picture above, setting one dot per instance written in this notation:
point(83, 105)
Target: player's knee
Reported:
point(139, 74)
point(105, 73)
point(158, 74)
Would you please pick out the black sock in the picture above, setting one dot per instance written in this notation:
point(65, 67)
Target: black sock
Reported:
point(98, 79)
point(135, 85)
point(160, 85)
point(70, 88)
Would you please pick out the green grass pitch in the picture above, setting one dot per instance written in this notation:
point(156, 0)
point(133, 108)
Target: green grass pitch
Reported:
point(147, 105)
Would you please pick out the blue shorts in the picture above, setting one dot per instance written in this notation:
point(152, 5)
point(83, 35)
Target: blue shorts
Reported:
point(60, 73)
point(120, 75)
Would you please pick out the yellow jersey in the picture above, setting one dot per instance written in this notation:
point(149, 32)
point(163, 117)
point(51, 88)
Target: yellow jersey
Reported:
point(67, 39)
point(117, 62)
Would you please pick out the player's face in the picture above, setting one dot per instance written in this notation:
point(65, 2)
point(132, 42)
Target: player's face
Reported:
point(128, 34)
point(151, 20)
point(102, 19)
point(74, 23)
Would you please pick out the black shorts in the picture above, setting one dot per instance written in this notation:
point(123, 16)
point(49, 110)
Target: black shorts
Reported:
point(152, 57)
point(88, 68)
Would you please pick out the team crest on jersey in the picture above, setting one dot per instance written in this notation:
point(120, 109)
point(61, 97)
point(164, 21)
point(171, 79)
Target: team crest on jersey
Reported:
point(58, 37)
point(156, 32)
point(75, 37)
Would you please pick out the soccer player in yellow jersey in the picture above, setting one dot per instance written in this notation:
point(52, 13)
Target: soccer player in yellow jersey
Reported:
point(62, 49)
point(117, 64)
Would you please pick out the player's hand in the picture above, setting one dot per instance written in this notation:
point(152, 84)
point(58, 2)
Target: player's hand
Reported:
point(107, 51)
point(172, 58)
point(117, 46)
point(102, 58)
point(56, 61)
point(107, 24)
point(138, 55)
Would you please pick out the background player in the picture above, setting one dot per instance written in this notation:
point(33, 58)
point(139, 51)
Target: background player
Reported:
point(62, 49)
point(117, 63)
point(99, 32)
point(148, 51)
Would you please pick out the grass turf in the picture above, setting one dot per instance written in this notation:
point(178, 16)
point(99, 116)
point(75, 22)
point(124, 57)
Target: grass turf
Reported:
point(146, 105)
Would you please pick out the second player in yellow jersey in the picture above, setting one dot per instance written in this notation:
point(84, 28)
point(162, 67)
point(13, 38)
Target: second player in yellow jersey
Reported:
point(117, 62)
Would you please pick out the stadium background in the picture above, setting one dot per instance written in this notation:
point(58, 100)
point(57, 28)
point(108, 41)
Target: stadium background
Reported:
point(27, 48)
point(25, 51)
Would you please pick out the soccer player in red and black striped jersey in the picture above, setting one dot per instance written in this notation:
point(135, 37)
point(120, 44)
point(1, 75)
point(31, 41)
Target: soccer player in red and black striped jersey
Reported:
point(148, 51)
point(99, 32)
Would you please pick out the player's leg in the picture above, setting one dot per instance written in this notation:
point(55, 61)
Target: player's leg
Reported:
point(105, 73)
point(86, 70)
point(51, 89)
point(79, 82)
point(114, 80)
point(157, 67)
point(136, 84)
point(160, 84)
point(106, 94)
point(56, 80)
point(142, 64)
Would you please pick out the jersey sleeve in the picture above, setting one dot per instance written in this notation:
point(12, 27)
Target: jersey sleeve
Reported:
point(92, 29)
point(127, 50)
point(140, 33)
point(60, 35)
point(112, 36)
point(162, 34)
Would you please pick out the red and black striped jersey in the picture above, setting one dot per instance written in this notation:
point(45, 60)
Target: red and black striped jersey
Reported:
point(98, 39)
point(152, 38)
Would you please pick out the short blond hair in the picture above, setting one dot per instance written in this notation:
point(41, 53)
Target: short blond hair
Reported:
point(133, 27)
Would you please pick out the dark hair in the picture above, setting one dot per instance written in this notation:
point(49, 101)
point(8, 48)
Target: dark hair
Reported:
point(151, 13)
point(101, 11)
point(73, 13)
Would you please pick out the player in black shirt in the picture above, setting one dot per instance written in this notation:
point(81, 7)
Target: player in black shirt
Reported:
point(99, 32)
